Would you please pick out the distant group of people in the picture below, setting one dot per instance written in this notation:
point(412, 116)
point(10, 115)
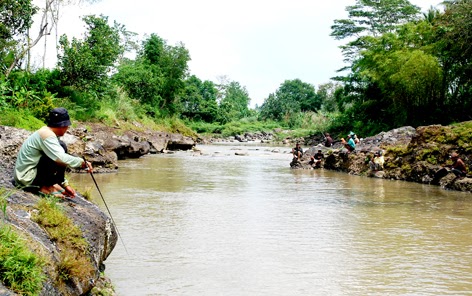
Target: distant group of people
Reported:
point(376, 161)
point(317, 159)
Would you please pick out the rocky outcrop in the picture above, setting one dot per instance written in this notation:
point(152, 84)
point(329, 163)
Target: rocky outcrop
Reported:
point(415, 155)
point(104, 146)
point(21, 206)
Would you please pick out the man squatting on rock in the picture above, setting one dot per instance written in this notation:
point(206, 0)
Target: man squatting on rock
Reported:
point(43, 159)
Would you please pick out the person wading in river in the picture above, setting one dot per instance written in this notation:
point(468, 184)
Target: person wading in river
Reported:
point(42, 160)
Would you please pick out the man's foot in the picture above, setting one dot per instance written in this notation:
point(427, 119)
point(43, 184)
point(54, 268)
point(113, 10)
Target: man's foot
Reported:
point(52, 190)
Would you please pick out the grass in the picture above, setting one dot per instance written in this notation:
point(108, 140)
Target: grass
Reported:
point(87, 192)
point(4, 194)
point(73, 261)
point(20, 269)
point(20, 118)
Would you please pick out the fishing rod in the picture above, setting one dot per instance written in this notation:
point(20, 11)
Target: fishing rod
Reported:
point(106, 206)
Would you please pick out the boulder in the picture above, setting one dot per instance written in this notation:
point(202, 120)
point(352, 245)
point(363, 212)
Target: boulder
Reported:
point(180, 142)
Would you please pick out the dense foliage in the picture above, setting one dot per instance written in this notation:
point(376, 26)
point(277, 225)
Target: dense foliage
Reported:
point(412, 73)
point(402, 68)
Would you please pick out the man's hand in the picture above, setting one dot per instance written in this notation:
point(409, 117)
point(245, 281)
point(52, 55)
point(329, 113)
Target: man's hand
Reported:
point(70, 192)
point(87, 166)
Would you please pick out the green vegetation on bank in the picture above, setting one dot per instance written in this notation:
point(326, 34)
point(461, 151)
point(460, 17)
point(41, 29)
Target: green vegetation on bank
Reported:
point(20, 268)
point(410, 68)
point(24, 270)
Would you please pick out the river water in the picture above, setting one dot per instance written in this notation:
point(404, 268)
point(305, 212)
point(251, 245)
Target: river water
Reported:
point(222, 224)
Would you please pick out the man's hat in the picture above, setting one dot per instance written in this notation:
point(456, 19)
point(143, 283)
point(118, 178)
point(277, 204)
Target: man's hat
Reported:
point(58, 117)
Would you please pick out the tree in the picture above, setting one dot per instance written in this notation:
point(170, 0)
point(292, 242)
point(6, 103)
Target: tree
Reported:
point(16, 17)
point(51, 17)
point(292, 97)
point(371, 18)
point(327, 94)
point(199, 100)
point(140, 83)
point(170, 63)
point(86, 63)
point(234, 103)
point(454, 48)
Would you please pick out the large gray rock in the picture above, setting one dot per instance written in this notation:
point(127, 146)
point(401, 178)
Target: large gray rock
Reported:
point(180, 142)
point(158, 141)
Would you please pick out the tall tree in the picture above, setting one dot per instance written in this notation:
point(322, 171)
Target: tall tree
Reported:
point(50, 20)
point(199, 100)
point(454, 49)
point(86, 63)
point(234, 104)
point(170, 63)
point(140, 83)
point(292, 97)
point(328, 95)
point(157, 76)
point(371, 18)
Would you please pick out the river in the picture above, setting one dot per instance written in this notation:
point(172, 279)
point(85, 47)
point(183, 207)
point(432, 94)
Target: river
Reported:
point(222, 224)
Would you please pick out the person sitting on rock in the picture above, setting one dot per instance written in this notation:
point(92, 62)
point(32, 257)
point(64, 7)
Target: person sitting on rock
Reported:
point(297, 151)
point(328, 140)
point(377, 163)
point(350, 145)
point(42, 160)
point(316, 160)
point(354, 138)
point(458, 166)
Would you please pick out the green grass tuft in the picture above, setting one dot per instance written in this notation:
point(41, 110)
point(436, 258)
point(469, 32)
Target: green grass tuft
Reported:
point(20, 269)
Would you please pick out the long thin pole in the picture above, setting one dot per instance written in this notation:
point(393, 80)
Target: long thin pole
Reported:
point(106, 206)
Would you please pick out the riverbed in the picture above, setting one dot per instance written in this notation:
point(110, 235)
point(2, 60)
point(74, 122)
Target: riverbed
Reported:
point(224, 224)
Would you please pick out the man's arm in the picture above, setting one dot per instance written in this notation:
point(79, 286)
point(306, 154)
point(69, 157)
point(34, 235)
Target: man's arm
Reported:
point(54, 150)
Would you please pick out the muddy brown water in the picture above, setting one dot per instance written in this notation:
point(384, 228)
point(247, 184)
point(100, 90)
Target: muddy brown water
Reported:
point(222, 224)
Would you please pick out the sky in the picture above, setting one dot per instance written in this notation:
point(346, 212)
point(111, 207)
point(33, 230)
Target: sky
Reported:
point(258, 43)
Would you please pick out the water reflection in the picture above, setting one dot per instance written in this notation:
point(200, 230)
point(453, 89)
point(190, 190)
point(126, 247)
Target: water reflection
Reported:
point(249, 225)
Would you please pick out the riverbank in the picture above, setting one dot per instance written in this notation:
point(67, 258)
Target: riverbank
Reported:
point(410, 154)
